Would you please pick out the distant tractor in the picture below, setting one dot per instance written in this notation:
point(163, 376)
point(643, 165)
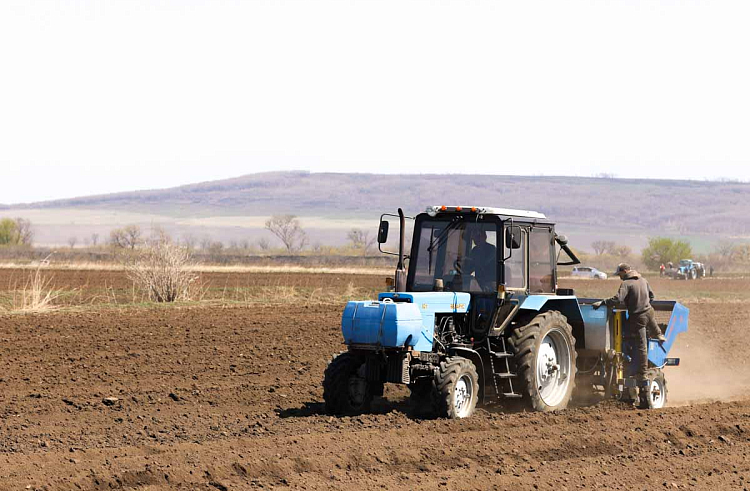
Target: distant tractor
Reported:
point(687, 270)
point(478, 318)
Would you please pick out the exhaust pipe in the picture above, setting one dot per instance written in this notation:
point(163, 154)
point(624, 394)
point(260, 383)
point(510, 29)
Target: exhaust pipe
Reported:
point(400, 269)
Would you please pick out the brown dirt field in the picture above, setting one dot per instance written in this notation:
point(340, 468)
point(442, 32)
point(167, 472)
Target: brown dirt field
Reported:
point(217, 396)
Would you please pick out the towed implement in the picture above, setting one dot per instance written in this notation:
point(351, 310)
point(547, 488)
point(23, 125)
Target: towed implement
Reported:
point(477, 318)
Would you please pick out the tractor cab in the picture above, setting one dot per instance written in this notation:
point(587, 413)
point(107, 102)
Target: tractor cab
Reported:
point(484, 252)
point(478, 250)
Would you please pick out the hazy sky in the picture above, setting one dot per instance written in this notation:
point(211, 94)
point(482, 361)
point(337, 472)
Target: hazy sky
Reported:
point(103, 96)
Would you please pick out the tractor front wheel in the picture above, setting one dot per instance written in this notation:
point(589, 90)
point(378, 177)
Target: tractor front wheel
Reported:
point(457, 388)
point(345, 389)
point(545, 358)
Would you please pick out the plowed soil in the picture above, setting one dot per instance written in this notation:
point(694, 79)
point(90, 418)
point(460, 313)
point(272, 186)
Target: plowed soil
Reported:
point(229, 397)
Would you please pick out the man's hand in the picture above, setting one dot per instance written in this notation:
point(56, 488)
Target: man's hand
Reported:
point(598, 304)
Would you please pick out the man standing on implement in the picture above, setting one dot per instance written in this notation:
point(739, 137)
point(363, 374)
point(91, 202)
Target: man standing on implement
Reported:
point(636, 294)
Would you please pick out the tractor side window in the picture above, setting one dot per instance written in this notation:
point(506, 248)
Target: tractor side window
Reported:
point(515, 267)
point(541, 271)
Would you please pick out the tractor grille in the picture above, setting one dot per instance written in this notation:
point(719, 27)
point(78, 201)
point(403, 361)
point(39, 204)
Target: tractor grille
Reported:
point(398, 368)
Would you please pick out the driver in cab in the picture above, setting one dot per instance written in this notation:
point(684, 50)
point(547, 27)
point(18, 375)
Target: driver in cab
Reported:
point(481, 260)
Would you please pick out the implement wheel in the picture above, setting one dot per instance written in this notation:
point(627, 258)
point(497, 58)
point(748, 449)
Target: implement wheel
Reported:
point(657, 388)
point(345, 389)
point(545, 358)
point(457, 388)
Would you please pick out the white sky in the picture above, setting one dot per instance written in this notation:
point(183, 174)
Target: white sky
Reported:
point(111, 96)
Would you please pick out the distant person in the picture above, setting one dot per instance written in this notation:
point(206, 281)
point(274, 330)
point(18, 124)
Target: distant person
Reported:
point(711, 271)
point(636, 294)
point(661, 270)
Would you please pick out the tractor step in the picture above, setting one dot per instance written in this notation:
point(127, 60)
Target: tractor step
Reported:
point(505, 375)
point(512, 395)
point(502, 355)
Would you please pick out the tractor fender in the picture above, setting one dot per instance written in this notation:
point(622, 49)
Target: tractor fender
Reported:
point(567, 305)
point(475, 358)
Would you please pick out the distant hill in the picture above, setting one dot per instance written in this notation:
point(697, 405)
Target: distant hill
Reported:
point(594, 207)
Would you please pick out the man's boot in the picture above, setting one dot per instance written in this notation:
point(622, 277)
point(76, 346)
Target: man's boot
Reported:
point(644, 394)
point(655, 333)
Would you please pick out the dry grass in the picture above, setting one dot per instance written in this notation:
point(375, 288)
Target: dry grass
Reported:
point(206, 268)
point(37, 294)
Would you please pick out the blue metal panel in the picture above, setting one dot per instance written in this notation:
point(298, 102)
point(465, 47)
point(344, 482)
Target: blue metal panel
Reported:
point(678, 323)
point(565, 304)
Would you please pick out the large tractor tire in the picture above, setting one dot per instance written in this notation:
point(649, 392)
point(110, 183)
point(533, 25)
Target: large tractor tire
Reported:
point(456, 388)
point(545, 358)
point(345, 390)
point(657, 388)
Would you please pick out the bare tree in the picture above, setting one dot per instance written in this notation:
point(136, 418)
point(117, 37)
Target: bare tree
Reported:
point(603, 247)
point(23, 229)
point(725, 248)
point(360, 240)
point(188, 241)
point(216, 247)
point(622, 251)
point(72, 241)
point(117, 238)
point(263, 244)
point(133, 234)
point(288, 230)
point(206, 243)
point(126, 238)
point(94, 239)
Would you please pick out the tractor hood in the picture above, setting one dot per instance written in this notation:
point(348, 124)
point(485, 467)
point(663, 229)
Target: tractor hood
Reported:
point(433, 302)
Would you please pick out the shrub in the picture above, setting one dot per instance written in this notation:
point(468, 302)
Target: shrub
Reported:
point(162, 270)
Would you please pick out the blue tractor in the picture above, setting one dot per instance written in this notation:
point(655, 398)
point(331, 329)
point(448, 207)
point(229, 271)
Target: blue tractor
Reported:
point(478, 318)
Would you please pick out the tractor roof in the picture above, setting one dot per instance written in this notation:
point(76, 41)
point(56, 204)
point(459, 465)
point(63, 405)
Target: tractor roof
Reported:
point(486, 210)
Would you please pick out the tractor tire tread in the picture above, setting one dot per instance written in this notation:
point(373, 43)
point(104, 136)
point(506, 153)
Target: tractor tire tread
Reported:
point(524, 339)
point(446, 378)
point(336, 389)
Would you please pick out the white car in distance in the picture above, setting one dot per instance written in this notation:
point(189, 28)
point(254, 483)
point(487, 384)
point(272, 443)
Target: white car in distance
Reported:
point(587, 272)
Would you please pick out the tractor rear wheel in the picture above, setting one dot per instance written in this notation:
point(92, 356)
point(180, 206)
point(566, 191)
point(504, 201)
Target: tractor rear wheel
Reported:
point(345, 389)
point(457, 388)
point(545, 358)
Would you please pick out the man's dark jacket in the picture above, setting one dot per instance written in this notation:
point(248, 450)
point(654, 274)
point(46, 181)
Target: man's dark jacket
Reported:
point(635, 293)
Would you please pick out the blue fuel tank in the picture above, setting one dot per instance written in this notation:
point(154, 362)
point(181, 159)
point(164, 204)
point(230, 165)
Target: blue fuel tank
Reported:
point(385, 323)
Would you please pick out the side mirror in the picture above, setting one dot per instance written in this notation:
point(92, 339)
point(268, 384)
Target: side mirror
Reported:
point(513, 237)
point(383, 232)
point(561, 239)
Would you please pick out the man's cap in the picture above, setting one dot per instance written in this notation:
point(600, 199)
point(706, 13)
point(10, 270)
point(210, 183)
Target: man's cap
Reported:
point(622, 268)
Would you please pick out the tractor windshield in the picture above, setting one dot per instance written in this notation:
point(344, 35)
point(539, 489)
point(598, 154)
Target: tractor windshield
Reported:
point(460, 253)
